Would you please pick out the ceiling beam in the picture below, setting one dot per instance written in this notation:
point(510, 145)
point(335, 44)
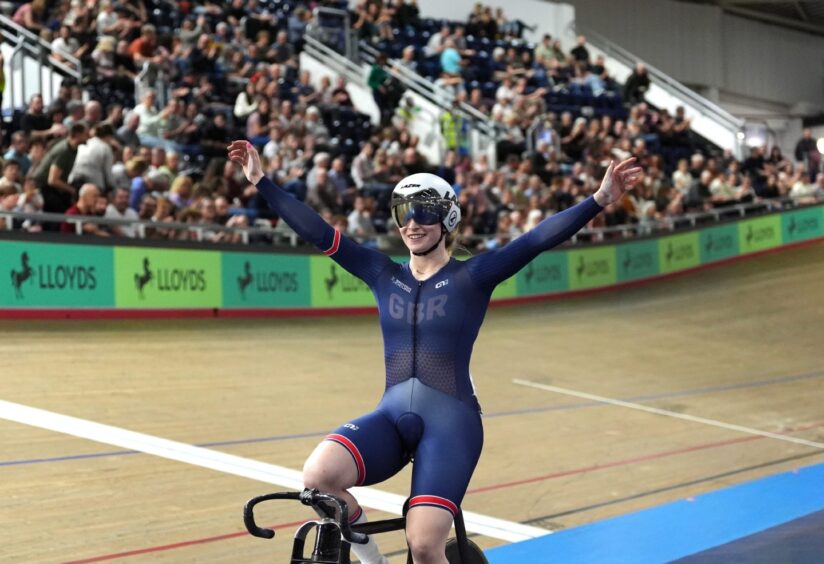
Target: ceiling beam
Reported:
point(771, 18)
point(724, 3)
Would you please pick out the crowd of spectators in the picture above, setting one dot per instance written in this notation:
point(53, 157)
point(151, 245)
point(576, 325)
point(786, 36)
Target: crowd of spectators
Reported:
point(232, 71)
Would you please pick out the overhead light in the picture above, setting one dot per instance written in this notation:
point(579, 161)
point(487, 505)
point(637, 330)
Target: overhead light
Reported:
point(820, 145)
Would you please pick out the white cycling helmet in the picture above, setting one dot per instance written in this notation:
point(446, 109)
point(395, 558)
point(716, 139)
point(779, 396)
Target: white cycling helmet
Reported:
point(426, 198)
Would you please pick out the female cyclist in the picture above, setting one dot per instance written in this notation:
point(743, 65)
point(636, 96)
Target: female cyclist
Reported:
point(430, 309)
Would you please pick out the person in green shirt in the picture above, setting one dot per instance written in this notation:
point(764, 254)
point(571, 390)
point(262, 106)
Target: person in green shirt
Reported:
point(52, 174)
point(379, 82)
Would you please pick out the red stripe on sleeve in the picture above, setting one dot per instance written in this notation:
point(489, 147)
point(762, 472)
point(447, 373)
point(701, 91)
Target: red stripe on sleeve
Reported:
point(335, 244)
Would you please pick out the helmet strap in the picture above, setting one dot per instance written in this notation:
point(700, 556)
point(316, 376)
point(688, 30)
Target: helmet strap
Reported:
point(433, 247)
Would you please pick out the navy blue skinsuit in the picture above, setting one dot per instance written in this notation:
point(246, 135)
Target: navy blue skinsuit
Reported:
point(429, 410)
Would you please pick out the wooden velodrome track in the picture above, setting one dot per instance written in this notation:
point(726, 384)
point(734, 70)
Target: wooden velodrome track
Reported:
point(739, 344)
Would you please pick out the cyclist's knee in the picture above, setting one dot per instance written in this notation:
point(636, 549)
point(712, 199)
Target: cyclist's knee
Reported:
point(315, 476)
point(330, 469)
point(426, 548)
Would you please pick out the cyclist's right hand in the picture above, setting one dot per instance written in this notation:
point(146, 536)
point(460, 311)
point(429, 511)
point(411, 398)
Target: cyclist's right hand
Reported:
point(243, 153)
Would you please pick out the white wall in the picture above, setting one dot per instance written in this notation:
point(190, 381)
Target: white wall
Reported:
point(547, 17)
point(695, 44)
point(557, 19)
point(22, 80)
point(702, 45)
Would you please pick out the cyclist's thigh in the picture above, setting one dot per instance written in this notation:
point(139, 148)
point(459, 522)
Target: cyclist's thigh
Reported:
point(374, 445)
point(446, 457)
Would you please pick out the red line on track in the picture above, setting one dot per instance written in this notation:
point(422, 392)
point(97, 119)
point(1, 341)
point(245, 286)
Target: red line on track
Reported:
point(572, 472)
point(173, 546)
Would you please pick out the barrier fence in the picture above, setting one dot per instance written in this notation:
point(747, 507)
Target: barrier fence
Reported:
point(67, 278)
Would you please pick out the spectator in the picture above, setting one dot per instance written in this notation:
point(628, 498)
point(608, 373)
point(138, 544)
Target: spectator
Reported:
point(119, 209)
point(135, 168)
point(151, 121)
point(322, 194)
point(454, 129)
point(17, 151)
point(31, 15)
point(94, 160)
point(681, 178)
point(314, 126)
point(36, 124)
point(379, 82)
point(359, 222)
point(65, 44)
point(362, 167)
point(284, 52)
point(580, 52)
point(451, 59)
point(408, 59)
point(92, 113)
point(636, 85)
point(180, 195)
point(806, 152)
point(11, 176)
point(437, 42)
point(803, 192)
point(52, 174)
point(86, 206)
point(145, 48)
point(127, 133)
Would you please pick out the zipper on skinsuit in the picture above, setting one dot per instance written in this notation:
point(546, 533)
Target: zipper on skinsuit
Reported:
point(415, 331)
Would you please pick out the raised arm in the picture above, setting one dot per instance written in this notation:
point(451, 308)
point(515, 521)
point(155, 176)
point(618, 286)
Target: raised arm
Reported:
point(490, 269)
point(362, 262)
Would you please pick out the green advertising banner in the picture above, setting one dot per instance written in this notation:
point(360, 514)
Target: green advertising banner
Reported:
point(759, 234)
point(718, 243)
point(547, 274)
point(332, 286)
point(72, 276)
point(678, 252)
point(257, 280)
point(637, 260)
point(506, 289)
point(46, 275)
point(167, 278)
point(591, 268)
point(800, 225)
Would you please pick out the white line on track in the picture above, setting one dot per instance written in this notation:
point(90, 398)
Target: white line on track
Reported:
point(664, 412)
point(237, 465)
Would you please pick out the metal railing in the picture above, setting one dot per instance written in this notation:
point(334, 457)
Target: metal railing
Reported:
point(334, 60)
point(662, 79)
point(319, 31)
point(40, 51)
point(432, 92)
point(282, 234)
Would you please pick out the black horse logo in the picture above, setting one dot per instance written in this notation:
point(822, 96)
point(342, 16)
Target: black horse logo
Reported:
point(709, 244)
point(140, 280)
point(627, 261)
point(245, 280)
point(750, 234)
point(18, 277)
point(792, 226)
point(332, 281)
point(581, 268)
point(670, 253)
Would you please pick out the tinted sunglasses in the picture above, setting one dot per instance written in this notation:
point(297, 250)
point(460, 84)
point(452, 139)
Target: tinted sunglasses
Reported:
point(424, 213)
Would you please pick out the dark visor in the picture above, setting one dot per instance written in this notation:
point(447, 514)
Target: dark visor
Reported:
point(424, 213)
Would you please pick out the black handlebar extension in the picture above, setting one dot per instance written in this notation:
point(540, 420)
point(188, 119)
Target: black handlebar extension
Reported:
point(307, 497)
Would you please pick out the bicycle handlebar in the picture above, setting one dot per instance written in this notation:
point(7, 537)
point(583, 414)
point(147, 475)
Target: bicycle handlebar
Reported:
point(309, 497)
